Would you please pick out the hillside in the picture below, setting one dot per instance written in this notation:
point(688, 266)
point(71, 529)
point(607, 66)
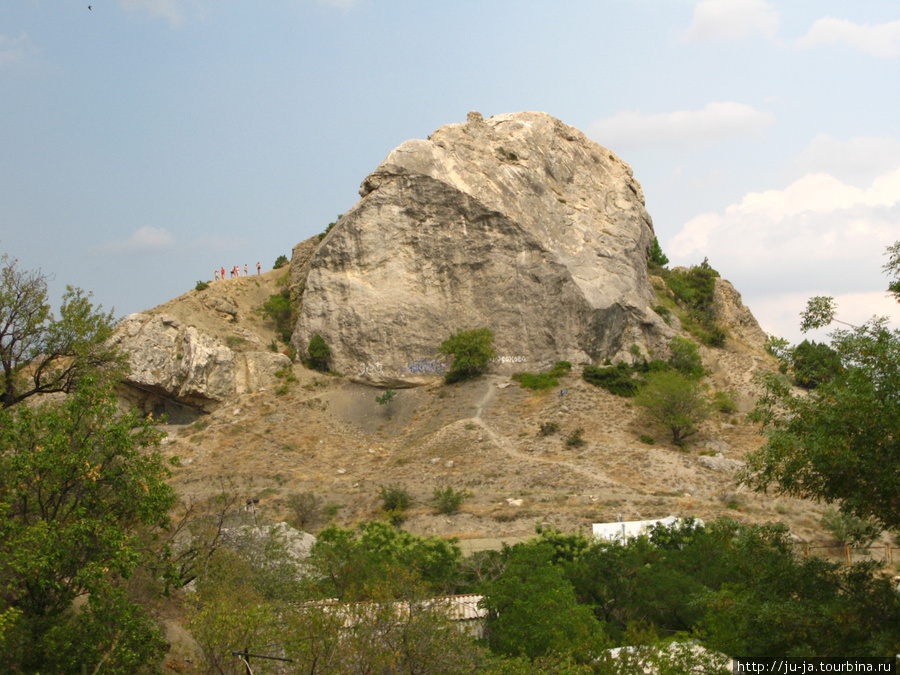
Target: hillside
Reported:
point(326, 435)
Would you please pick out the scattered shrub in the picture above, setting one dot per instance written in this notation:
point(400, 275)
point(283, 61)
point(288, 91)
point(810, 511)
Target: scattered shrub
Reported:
point(394, 498)
point(328, 229)
point(646, 439)
point(848, 529)
point(278, 308)
point(201, 286)
point(304, 508)
point(386, 397)
point(685, 358)
point(724, 402)
point(654, 366)
point(664, 313)
point(548, 428)
point(693, 289)
point(280, 262)
point(471, 351)
point(575, 439)
point(536, 382)
point(617, 380)
point(448, 500)
point(319, 353)
point(655, 256)
point(561, 369)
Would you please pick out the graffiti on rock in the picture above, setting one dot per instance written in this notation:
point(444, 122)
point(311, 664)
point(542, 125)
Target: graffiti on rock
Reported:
point(509, 359)
point(371, 369)
point(426, 367)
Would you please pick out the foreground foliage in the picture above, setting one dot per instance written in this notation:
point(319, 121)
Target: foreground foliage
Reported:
point(43, 354)
point(78, 483)
point(839, 442)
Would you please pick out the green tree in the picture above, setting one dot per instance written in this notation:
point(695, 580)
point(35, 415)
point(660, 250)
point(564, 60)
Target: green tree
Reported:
point(280, 262)
point(353, 564)
point(471, 351)
point(781, 604)
point(694, 290)
point(78, 482)
point(533, 611)
point(836, 442)
point(617, 379)
point(685, 357)
point(278, 308)
point(655, 255)
point(674, 401)
point(814, 363)
point(319, 353)
point(42, 354)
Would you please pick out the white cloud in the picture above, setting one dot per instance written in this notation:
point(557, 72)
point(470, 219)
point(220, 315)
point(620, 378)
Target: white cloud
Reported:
point(779, 315)
point(731, 20)
point(857, 161)
point(165, 9)
point(881, 40)
point(817, 236)
point(816, 217)
point(14, 50)
point(145, 240)
point(716, 121)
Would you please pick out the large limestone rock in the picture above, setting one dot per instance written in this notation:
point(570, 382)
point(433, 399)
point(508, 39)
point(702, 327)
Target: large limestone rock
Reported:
point(735, 317)
point(518, 223)
point(173, 362)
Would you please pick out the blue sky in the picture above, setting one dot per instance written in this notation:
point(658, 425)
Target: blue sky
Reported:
point(144, 143)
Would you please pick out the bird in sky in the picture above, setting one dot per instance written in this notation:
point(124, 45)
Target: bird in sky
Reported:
point(91, 7)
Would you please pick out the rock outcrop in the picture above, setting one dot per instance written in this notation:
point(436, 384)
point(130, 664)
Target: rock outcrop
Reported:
point(735, 317)
point(518, 223)
point(174, 365)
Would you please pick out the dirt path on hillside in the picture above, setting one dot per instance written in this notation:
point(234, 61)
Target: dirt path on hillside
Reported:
point(600, 478)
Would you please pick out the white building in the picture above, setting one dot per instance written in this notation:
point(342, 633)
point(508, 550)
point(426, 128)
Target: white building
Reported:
point(630, 529)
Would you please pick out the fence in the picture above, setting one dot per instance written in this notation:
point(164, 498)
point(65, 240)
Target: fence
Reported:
point(846, 553)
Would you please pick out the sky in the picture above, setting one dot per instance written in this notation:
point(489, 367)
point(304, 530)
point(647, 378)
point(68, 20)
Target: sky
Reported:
point(145, 143)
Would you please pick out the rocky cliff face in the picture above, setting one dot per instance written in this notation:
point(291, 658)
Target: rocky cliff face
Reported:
point(518, 223)
point(197, 351)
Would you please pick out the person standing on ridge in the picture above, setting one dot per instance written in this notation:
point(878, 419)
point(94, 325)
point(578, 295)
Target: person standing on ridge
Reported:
point(257, 268)
point(245, 269)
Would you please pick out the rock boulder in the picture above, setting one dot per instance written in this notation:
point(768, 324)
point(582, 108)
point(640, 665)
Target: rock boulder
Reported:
point(518, 223)
point(172, 362)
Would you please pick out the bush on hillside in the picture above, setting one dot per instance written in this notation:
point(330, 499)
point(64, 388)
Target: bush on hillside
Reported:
point(319, 353)
point(278, 308)
point(685, 357)
point(471, 350)
point(615, 379)
point(536, 381)
point(655, 256)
